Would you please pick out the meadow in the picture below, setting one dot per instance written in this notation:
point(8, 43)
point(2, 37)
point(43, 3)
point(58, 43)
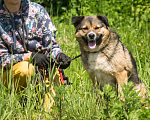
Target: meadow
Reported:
point(131, 20)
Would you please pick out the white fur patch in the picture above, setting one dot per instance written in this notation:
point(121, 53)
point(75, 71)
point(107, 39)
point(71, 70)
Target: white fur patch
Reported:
point(100, 68)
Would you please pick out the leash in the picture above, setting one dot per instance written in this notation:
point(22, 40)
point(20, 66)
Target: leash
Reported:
point(62, 73)
point(74, 58)
point(60, 70)
point(57, 64)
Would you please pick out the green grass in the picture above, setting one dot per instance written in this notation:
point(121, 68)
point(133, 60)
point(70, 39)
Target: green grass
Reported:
point(77, 100)
point(81, 102)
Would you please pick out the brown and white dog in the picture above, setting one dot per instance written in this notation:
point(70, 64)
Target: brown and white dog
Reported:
point(103, 55)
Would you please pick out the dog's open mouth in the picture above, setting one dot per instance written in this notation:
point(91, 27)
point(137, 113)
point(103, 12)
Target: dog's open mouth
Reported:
point(92, 44)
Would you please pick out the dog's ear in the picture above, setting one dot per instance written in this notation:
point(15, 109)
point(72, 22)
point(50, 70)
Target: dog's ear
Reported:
point(104, 19)
point(76, 20)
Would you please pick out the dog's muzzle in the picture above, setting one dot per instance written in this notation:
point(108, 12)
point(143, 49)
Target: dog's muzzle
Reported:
point(91, 39)
point(91, 36)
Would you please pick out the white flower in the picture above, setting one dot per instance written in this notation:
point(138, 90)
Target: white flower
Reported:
point(32, 10)
point(3, 36)
point(27, 21)
point(53, 39)
point(6, 37)
point(45, 16)
point(51, 27)
point(38, 46)
point(39, 33)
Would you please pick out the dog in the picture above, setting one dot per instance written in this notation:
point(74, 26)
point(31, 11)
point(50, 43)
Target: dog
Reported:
point(103, 55)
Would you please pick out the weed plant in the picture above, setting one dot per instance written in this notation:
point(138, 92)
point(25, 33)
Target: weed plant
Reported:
point(76, 101)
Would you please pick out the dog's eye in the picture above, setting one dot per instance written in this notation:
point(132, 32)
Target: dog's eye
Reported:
point(97, 28)
point(85, 28)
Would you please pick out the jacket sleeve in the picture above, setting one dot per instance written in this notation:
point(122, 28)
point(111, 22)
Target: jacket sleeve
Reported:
point(49, 34)
point(6, 58)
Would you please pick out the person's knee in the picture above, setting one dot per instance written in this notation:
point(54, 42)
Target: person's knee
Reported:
point(23, 69)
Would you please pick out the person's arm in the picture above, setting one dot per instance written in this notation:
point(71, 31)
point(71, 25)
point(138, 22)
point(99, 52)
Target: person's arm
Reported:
point(6, 58)
point(49, 34)
point(47, 31)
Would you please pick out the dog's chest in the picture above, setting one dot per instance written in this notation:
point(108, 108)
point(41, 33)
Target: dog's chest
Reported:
point(97, 62)
point(98, 66)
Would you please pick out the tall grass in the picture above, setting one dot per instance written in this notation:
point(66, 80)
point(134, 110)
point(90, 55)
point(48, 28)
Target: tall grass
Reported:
point(82, 103)
point(76, 101)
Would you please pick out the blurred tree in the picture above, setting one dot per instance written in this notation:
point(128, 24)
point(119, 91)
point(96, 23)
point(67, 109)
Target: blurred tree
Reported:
point(54, 7)
point(122, 11)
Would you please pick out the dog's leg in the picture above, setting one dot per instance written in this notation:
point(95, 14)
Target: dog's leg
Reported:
point(122, 78)
point(140, 87)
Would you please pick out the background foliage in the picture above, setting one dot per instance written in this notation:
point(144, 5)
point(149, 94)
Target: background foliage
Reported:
point(131, 20)
point(135, 9)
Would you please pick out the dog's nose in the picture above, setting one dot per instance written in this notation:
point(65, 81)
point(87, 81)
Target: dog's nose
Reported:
point(91, 35)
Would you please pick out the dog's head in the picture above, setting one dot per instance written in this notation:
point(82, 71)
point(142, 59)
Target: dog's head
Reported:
point(91, 32)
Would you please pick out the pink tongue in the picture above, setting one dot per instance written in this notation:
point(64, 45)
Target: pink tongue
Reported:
point(92, 44)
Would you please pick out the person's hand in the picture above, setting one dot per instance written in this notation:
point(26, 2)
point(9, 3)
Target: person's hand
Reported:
point(27, 56)
point(63, 60)
point(41, 60)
